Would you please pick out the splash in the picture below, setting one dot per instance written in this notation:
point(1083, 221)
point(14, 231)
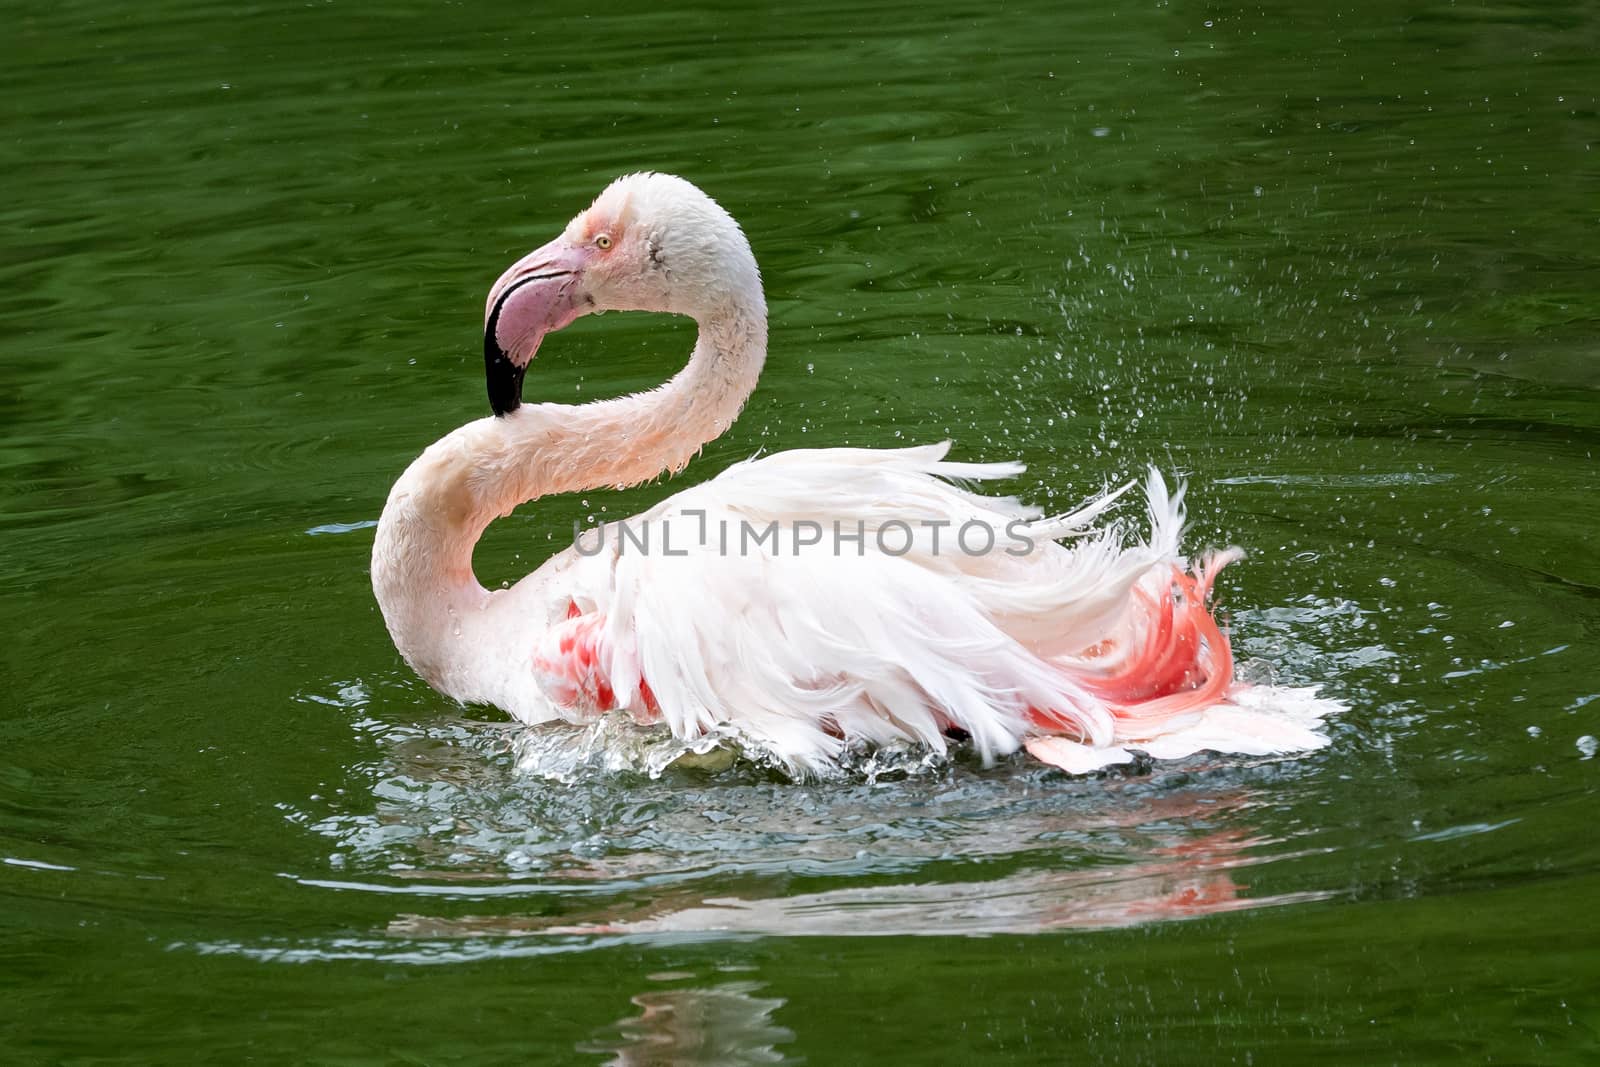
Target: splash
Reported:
point(615, 745)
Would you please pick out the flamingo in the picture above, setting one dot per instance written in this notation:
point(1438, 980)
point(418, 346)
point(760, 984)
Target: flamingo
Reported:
point(1090, 646)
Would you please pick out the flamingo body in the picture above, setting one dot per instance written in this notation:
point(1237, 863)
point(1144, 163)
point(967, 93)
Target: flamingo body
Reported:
point(1090, 644)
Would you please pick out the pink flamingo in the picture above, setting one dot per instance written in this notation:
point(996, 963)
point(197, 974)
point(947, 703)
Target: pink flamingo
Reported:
point(1081, 652)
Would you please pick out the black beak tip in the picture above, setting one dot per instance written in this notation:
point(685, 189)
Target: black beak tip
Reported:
point(503, 378)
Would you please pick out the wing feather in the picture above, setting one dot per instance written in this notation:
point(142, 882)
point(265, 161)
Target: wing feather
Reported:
point(807, 649)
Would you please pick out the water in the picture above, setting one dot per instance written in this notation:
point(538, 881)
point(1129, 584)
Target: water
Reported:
point(1337, 266)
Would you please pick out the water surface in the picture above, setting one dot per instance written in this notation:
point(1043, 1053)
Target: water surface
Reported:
point(1337, 267)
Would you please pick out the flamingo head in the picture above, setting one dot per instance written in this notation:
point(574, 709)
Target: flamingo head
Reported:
point(649, 242)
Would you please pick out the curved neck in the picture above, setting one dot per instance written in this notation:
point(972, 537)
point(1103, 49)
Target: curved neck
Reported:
point(437, 510)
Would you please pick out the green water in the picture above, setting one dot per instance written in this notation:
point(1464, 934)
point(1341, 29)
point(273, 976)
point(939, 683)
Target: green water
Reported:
point(1340, 267)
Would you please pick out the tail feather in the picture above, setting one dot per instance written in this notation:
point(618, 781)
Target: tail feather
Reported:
point(1169, 662)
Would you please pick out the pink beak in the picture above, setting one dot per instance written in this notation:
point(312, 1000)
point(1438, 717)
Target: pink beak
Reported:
point(538, 294)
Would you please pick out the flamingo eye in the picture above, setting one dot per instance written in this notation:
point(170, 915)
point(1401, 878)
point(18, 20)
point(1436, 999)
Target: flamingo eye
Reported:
point(603, 241)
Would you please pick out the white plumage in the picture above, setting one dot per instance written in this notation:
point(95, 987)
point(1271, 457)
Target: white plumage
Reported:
point(810, 600)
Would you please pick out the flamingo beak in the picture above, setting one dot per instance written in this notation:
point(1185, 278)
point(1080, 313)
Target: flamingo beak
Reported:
point(539, 294)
